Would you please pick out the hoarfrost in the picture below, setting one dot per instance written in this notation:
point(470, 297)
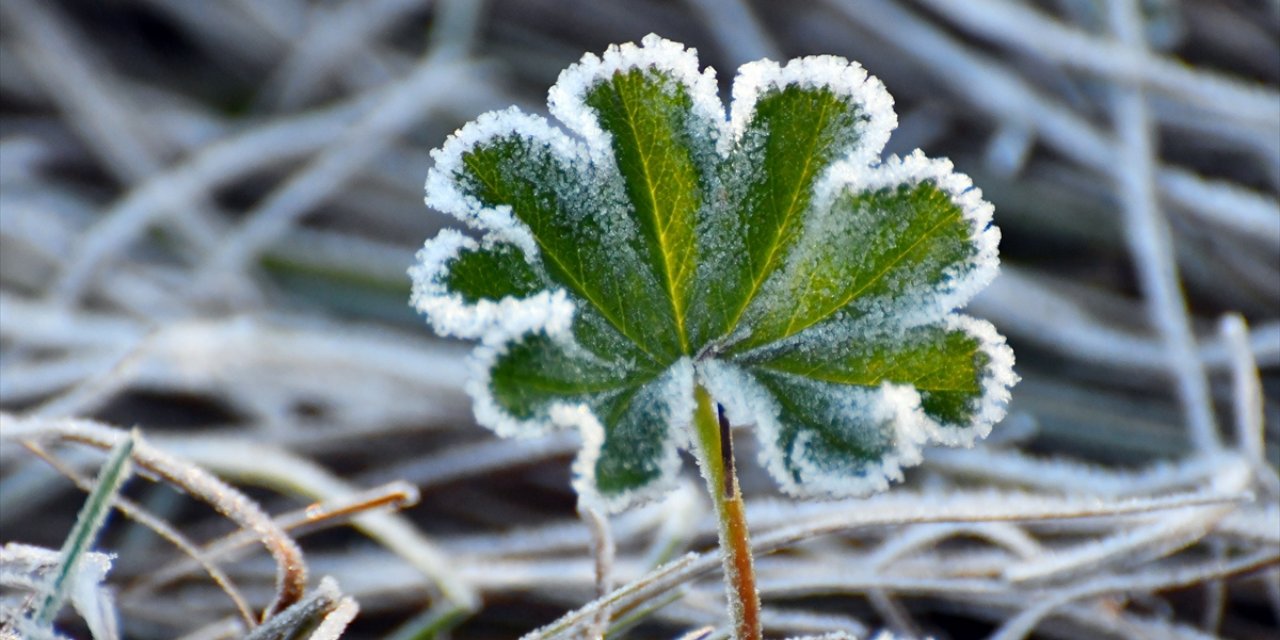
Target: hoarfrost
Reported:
point(30, 568)
point(997, 380)
point(491, 321)
point(496, 222)
point(566, 98)
point(670, 394)
point(960, 285)
point(832, 229)
point(890, 411)
point(888, 419)
point(842, 77)
point(486, 408)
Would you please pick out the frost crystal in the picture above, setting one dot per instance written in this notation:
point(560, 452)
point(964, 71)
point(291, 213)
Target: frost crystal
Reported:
point(655, 244)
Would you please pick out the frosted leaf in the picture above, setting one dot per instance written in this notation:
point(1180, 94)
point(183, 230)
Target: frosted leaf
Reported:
point(654, 243)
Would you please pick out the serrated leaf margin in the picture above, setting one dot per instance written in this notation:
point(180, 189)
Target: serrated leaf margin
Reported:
point(913, 169)
point(551, 311)
point(496, 223)
point(488, 320)
point(746, 401)
point(843, 77)
point(678, 379)
point(567, 97)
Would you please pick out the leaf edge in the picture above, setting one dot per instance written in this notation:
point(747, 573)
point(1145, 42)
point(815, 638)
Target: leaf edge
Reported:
point(843, 77)
point(495, 223)
point(549, 310)
point(745, 401)
point(581, 417)
point(566, 99)
point(914, 169)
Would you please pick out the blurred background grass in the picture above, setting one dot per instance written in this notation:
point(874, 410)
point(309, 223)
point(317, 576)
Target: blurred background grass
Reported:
point(207, 209)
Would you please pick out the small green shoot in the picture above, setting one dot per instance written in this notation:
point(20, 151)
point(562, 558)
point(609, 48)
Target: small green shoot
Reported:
point(89, 522)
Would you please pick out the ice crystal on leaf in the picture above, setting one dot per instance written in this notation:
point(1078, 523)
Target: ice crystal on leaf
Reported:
point(770, 256)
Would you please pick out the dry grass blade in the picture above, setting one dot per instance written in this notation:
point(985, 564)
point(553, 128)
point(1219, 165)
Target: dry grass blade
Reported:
point(131, 510)
point(292, 570)
point(393, 496)
point(324, 600)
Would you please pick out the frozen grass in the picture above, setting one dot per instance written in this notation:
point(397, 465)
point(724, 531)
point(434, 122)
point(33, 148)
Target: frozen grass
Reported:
point(207, 209)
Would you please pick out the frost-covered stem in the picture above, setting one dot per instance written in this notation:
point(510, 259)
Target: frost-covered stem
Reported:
point(602, 548)
point(714, 451)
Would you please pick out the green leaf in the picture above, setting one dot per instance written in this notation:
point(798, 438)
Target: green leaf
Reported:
point(770, 256)
point(492, 273)
point(565, 204)
point(656, 140)
point(540, 379)
point(911, 239)
point(879, 397)
point(795, 134)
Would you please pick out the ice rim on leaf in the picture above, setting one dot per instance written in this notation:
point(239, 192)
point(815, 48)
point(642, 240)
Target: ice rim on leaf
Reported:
point(770, 256)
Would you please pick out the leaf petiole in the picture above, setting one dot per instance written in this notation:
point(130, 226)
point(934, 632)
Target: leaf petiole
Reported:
point(714, 452)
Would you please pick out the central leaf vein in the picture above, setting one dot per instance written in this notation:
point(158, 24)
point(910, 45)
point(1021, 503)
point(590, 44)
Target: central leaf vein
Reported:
point(795, 325)
point(803, 183)
point(672, 270)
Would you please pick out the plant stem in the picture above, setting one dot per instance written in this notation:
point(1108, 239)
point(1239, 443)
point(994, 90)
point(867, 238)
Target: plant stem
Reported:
point(714, 449)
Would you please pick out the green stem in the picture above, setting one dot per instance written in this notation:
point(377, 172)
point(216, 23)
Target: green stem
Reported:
point(93, 515)
point(714, 451)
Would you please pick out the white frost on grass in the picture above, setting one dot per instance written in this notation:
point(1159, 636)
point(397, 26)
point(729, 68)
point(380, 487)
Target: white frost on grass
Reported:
point(29, 568)
point(489, 320)
point(840, 76)
point(566, 99)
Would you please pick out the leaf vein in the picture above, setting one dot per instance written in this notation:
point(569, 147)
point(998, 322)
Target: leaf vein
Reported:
point(758, 278)
point(925, 235)
point(620, 324)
